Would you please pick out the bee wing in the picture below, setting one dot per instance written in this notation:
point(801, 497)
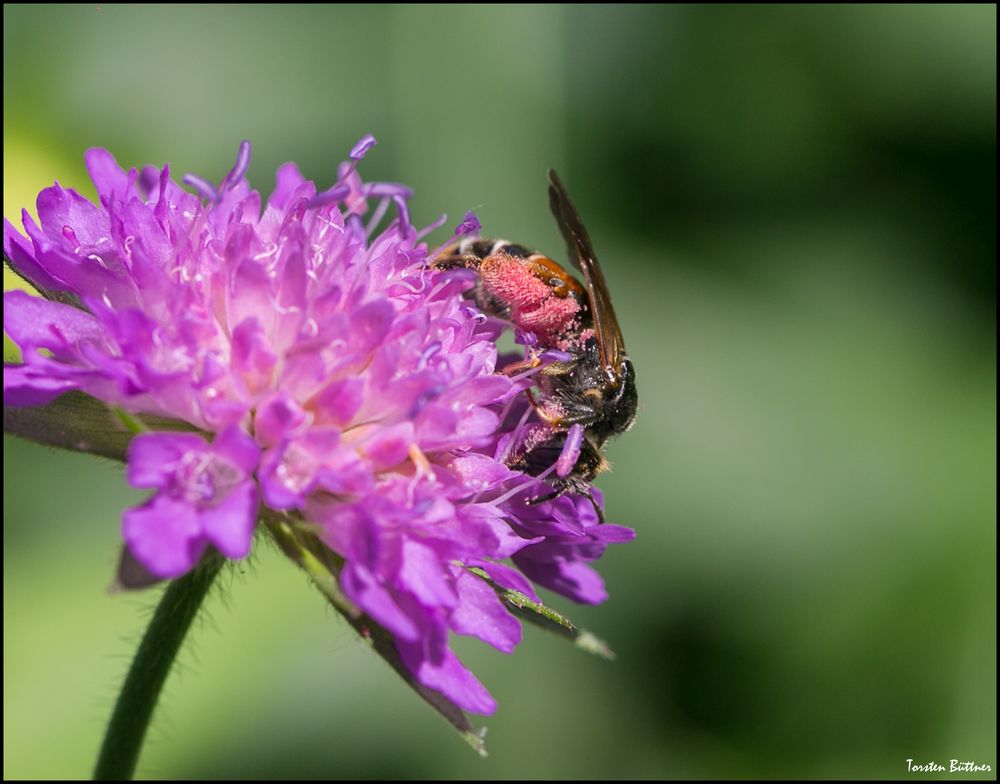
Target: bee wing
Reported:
point(610, 343)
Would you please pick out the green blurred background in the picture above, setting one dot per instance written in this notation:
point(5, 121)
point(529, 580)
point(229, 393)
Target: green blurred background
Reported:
point(795, 208)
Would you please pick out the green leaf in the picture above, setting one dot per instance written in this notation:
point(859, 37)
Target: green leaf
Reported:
point(132, 575)
point(528, 609)
point(81, 423)
point(323, 566)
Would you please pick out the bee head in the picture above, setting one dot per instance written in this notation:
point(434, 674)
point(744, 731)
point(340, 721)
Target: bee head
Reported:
point(588, 395)
point(620, 408)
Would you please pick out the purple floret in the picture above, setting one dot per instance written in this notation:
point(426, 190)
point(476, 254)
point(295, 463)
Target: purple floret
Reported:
point(205, 495)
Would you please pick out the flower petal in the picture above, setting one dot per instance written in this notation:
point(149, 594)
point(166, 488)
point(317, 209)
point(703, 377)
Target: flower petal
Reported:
point(230, 524)
point(25, 386)
point(339, 401)
point(111, 182)
point(361, 587)
point(278, 416)
point(369, 326)
point(164, 535)
point(574, 579)
point(34, 323)
point(22, 258)
point(480, 613)
point(152, 457)
point(448, 676)
point(63, 208)
point(389, 446)
point(423, 574)
point(238, 448)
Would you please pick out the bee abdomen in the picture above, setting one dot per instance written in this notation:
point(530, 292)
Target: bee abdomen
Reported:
point(484, 247)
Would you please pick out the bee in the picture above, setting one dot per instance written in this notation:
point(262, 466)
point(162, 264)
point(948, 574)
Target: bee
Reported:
point(590, 395)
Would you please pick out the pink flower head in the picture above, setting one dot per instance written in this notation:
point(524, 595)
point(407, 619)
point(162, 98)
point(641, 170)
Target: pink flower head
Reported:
point(329, 371)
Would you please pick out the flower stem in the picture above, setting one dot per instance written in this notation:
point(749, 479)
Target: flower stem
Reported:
point(150, 667)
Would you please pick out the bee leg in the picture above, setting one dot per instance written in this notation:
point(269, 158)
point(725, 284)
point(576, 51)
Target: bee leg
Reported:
point(521, 365)
point(561, 492)
point(551, 421)
point(597, 509)
point(541, 499)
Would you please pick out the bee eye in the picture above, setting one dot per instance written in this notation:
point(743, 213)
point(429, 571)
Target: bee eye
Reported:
point(593, 392)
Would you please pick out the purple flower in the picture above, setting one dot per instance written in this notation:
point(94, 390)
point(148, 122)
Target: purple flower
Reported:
point(332, 374)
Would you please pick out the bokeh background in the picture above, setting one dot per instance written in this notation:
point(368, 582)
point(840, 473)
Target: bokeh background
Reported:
point(795, 209)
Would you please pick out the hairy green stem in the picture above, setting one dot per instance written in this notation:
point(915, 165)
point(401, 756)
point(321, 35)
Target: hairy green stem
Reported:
point(150, 667)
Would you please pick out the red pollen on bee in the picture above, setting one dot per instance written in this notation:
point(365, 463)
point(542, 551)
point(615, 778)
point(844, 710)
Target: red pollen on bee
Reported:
point(551, 317)
point(533, 305)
